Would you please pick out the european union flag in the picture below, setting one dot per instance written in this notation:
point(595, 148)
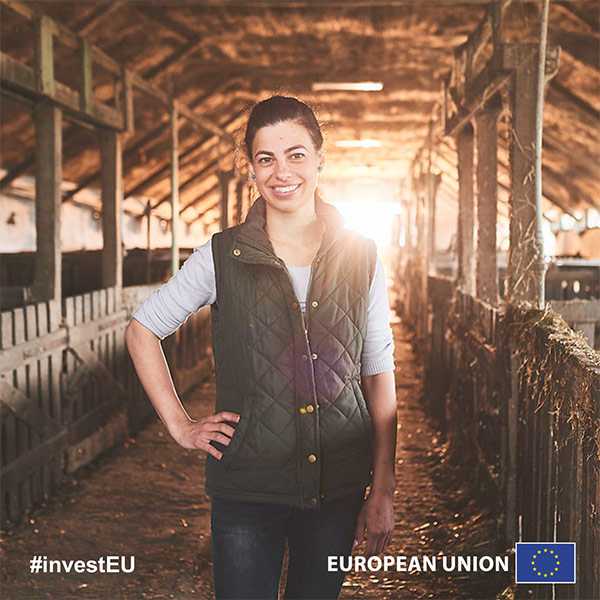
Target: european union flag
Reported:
point(545, 562)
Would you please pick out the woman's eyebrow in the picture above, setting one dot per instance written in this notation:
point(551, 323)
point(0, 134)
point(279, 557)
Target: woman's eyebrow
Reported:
point(272, 154)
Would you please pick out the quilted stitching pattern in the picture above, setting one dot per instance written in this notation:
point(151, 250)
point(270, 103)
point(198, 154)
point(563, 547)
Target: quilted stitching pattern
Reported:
point(259, 343)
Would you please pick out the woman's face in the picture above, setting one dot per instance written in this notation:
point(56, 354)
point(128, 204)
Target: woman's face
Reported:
point(285, 163)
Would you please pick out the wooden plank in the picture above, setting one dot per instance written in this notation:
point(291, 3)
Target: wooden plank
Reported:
point(93, 364)
point(102, 302)
point(22, 429)
point(87, 306)
point(44, 56)
point(20, 78)
point(112, 200)
point(85, 76)
point(487, 203)
point(9, 422)
point(128, 106)
point(14, 472)
point(48, 179)
point(7, 329)
point(95, 305)
point(34, 396)
point(26, 409)
point(79, 318)
point(466, 216)
point(45, 402)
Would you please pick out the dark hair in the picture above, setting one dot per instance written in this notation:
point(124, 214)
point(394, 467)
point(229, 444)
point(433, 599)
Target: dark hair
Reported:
point(278, 109)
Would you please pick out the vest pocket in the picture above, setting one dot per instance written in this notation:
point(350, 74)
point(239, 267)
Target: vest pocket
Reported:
point(241, 428)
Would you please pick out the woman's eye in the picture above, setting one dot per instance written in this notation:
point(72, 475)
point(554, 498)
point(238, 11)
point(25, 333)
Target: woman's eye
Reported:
point(297, 155)
point(264, 160)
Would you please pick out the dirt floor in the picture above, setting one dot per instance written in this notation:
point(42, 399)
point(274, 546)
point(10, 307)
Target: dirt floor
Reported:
point(146, 499)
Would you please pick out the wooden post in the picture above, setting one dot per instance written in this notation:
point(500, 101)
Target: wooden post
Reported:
point(487, 202)
point(44, 56)
point(525, 269)
point(112, 204)
point(48, 176)
point(466, 222)
point(174, 191)
point(85, 74)
point(128, 111)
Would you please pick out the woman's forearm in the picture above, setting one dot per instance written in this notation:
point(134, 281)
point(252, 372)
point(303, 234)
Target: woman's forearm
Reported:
point(380, 396)
point(152, 369)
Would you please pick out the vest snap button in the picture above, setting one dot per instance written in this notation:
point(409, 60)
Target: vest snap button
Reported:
point(294, 305)
point(309, 408)
point(312, 458)
point(304, 357)
point(314, 304)
point(313, 501)
point(236, 251)
point(315, 356)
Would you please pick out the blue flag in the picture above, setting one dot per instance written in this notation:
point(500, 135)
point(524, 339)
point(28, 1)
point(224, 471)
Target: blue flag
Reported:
point(545, 562)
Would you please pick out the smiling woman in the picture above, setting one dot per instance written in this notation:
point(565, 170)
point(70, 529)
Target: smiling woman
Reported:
point(299, 316)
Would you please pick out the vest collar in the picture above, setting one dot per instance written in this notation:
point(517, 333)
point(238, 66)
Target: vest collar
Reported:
point(252, 231)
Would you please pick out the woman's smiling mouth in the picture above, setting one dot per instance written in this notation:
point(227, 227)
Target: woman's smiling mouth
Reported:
point(284, 190)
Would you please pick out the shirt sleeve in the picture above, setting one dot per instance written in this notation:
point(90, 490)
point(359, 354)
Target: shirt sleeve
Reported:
point(192, 287)
point(378, 348)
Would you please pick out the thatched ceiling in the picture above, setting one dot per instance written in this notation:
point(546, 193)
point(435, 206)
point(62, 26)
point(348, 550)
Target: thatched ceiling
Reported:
point(219, 57)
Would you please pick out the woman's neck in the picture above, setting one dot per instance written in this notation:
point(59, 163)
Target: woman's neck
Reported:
point(293, 227)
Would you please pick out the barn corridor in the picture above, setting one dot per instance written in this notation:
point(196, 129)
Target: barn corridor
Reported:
point(462, 137)
point(146, 498)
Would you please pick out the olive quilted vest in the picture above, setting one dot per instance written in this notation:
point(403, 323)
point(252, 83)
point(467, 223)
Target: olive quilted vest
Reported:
point(305, 433)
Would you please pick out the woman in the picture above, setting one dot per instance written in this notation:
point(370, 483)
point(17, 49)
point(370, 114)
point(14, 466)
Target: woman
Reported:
point(296, 438)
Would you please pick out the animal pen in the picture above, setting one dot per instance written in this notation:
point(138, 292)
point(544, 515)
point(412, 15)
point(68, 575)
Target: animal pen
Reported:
point(512, 368)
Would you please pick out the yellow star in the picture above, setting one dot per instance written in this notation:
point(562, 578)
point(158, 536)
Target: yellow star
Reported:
point(545, 574)
point(545, 549)
point(551, 551)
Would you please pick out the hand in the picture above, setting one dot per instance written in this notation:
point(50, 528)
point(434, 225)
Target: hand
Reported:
point(377, 517)
point(198, 434)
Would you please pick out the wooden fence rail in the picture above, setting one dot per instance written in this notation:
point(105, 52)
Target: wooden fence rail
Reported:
point(68, 390)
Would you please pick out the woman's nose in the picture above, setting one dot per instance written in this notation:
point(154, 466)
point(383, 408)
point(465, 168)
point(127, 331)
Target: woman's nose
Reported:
point(283, 170)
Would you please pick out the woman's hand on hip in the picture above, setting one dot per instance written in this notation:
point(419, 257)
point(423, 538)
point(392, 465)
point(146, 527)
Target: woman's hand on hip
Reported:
point(198, 434)
point(376, 517)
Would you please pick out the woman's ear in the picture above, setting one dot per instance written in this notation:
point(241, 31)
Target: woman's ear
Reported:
point(321, 158)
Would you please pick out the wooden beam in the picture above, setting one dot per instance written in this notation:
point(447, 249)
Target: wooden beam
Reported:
point(44, 56)
point(487, 203)
point(164, 168)
point(27, 410)
point(466, 217)
point(84, 25)
point(143, 143)
point(207, 170)
point(85, 75)
point(112, 203)
point(48, 178)
point(19, 77)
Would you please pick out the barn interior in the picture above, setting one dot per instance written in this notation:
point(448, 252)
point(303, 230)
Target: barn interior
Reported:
point(473, 164)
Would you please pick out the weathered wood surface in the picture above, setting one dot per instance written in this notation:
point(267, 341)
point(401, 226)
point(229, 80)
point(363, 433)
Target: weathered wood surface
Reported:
point(68, 389)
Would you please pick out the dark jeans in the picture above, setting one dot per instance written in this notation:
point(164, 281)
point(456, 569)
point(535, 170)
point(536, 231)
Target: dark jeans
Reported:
point(248, 546)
